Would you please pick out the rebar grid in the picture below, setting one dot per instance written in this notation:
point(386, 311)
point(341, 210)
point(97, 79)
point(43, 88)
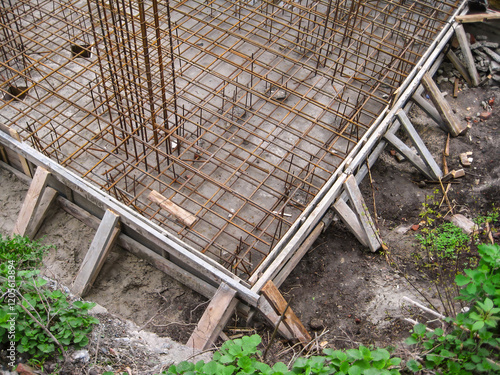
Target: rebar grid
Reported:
point(236, 111)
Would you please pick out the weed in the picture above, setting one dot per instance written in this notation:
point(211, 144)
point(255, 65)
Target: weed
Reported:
point(444, 241)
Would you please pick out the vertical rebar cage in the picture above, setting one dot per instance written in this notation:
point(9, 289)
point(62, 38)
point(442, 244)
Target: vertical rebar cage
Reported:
point(236, 111)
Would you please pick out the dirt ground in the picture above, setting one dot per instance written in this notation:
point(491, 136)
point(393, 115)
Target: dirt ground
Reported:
point(341, 291)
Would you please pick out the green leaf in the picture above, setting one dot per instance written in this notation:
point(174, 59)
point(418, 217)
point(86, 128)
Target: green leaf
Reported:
point(419, 329)
point(354, 354)
point(380, 354)
point(210, 368)
point(355, 370)
point(411, 340)
point(280, 367)
point(461, 280)
point(365, 352)
point(477, 325)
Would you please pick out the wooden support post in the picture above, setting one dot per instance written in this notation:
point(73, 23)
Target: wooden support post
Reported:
point(181, 214)
point(291, 321)
point(273, 318)
point(419, 145)
point(3, 155)
point(459, 66)
point(24, 163)
point(362, 213)
point(96, 255)
point(31, 201)
point(469, 60)
point(214, 319)
point(429, 110)
point(48, 197)
point(452, 123)
point(408, 153)
point(351, 221)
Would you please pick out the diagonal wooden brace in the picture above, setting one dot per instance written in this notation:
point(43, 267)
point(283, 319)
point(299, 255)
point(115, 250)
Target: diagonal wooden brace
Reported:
point(293, 324)
point(214, 319)
point(35, 205)
point(361, 214)
point(96, 255)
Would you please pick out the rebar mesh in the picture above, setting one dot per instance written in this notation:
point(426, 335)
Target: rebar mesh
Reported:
point(237, 112)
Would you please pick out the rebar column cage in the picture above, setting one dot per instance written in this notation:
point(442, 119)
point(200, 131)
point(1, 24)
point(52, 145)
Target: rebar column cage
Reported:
point(236, 111)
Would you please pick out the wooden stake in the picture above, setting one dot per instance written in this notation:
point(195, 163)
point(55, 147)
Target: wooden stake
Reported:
point(180, 213)
point(452, 123)
point(291, 321)
point(214, 319)
point(459, 66)
point(96, 255)
point(31, 201)
point(469, 60)
point(24, 163)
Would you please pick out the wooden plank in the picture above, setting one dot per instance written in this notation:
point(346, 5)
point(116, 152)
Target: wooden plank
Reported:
point(408, 154)
point(278, 302)
point(24, 163)
point(49, 195)
point(99, 248)
point(350, 219)
point(429, 110)
point(364, 217)
point(31, 201)
point(3, 155)
point(469, 60)
point(459, 66)
point(455, 127)
point(301, 251)
point(180, 213)
point(214, 319)
point(479, 17)
point(273, 318)
point(419, 145)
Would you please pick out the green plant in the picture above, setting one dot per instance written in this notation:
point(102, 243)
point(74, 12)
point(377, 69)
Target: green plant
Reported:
point(241, 356)
point(470, 345)
point(483, 281)
point(444, 241)
point(24, 252)
point(44, 320)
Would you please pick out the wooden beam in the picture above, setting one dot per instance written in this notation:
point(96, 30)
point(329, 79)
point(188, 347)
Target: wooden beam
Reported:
point(481, 17)
point(408, 153)
point(99, 249)
point(429, 109)
point(24, 163)
point(291, 321)
point(361, 210)
point(351, 221)
point(3, 155)
point(180, 213)
point(469, 60)
point(459, 66)
point(420, 146)
point(31, 201)
point(443, 107)
point(48, 197)
point(214, 319)
point(273, 318)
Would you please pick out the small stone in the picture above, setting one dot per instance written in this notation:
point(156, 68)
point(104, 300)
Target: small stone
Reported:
point(422, 184)
point(81, 355)
point(464, 159)
point(316, 324)
point(485, 115)
point(481, 38)
point(457, 174)
point(93, 372)
point(23, 369)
